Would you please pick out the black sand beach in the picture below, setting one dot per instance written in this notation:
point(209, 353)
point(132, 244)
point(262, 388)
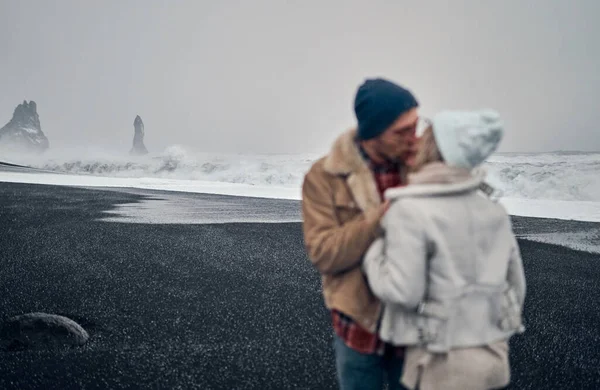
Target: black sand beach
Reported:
point(234, 305)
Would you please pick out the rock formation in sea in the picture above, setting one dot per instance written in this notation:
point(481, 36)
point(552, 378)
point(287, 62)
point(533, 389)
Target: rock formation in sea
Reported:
point(138, 138)
point(24, 133)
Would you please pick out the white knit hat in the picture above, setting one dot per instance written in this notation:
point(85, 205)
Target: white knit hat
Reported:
point(466, 138)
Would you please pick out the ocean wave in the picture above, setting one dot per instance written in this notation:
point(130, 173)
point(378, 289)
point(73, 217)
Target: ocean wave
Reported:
point(552, 176)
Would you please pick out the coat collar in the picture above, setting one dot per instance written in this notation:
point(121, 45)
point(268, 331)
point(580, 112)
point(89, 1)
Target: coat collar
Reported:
point(439, 173)
point(439, 179)
point(344, 157)
point(345, 160)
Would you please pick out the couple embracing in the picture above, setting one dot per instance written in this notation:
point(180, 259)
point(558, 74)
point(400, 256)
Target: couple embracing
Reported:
point(420, 268)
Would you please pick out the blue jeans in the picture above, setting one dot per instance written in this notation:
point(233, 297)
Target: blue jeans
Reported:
point(356, 370)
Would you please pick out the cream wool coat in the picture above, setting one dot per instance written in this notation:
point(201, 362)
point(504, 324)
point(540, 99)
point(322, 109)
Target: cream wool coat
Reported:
point(450, 276)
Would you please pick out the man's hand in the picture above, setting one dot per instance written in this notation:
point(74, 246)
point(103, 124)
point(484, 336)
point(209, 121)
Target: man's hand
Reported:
point(375, 215)
point(385, 206)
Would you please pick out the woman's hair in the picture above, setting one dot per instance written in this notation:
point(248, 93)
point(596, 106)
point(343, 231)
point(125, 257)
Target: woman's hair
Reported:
point(428, 151)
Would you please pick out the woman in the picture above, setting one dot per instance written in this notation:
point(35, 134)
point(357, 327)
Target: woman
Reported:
point(448, 268)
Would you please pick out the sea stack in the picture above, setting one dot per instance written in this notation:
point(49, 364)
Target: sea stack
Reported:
point(139, 148)
point(24, 133)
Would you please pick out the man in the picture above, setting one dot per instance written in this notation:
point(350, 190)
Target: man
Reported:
point(342, 204)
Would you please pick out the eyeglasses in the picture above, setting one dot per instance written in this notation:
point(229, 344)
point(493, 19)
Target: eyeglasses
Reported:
point(417, 128)
point(422, 125)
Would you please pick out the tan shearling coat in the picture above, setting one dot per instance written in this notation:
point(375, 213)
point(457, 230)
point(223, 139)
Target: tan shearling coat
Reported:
point(340, 220)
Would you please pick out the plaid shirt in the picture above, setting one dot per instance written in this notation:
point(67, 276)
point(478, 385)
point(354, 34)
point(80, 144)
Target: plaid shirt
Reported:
point(354, 336)
point(387, 175)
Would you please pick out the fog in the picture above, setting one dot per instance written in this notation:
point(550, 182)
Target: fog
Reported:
point(280, 76)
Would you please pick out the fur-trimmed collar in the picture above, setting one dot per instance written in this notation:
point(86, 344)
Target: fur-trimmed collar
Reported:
point(344, 159)
point(439, 179)
point(439, 173)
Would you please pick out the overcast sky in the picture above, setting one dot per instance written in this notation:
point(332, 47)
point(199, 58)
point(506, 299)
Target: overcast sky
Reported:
point(280, 76)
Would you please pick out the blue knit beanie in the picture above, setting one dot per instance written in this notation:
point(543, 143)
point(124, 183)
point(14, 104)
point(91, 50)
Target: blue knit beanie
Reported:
point(378, 104)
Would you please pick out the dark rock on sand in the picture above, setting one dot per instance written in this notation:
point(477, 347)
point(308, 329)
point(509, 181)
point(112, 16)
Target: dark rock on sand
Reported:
point(41, 331)
point(24, 133)
point(138, 138)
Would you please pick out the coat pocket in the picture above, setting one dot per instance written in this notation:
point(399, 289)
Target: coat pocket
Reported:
point(432, 323)
point(345, 207)
point(509, 318)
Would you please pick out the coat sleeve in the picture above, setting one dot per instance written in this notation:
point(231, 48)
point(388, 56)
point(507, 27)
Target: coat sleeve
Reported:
point(396, 265)
point(333, 248)
point(516, 275)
